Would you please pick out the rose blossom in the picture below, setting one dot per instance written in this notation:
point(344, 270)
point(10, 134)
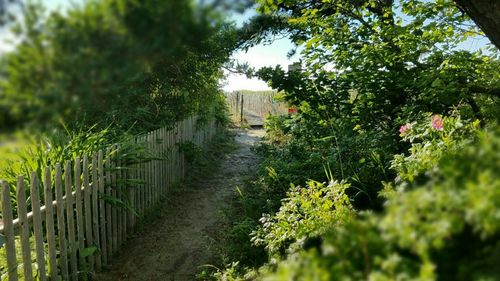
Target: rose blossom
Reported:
point(404, 129)
point(437, 122)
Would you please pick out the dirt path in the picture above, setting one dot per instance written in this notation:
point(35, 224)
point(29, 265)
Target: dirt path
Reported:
point(176, 243)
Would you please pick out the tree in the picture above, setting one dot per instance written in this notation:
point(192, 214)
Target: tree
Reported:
point(486, 13)
point(117, 62)
point(372, 65)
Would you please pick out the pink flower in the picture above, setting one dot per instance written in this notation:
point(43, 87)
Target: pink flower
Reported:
point(437, 122)
point(404, 129)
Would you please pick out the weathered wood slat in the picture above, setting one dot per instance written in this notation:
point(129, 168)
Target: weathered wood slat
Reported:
point(37, 227)
point(123, 199)
point(119, 197)
point(114, 211)
point(25, 228)
point(49, 224)
point(164, 162)
point(109, 225)
point(80, 222)
point(155, 168)
point(70, 220)
point(149, 174)
point(61, 224)
point(102, 209)
point(143, 179)
point(169, 160)
point(10, 244)
point(87, 197)
point(95, 213)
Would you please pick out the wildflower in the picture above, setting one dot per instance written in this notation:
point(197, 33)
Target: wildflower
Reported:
point(437, 122)
point(404, 129)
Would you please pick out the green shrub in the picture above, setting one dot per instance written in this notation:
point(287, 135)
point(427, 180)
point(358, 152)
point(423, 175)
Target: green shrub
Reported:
point(306, 212)
point(441, 227)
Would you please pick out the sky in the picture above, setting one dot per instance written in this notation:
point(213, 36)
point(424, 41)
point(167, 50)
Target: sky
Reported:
point(257, 57)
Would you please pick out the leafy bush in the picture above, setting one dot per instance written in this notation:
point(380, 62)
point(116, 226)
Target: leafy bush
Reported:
point(443, 226)
point(306, 212)
point(120, 62)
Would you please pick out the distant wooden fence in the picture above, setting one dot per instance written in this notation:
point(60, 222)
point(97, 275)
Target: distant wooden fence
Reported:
point(253, 108)
point(88, 210)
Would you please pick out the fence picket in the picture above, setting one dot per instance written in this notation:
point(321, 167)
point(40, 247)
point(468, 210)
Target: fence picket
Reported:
point(165, 161)
point(122, 222)
point(87, 193)
point(25, 228)
point(109, 225)
point(119, 197)
point(114, 213)
point(70, 220)
point(8, 224)
point(37, 227)
point(80, 223)
point(49, 224)
point(61, 225)
point(95, 212)
point(150, 173)
point(102, 209)
point(155, 168)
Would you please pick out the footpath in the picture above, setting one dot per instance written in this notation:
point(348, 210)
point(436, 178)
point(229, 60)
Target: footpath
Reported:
point(176, 243)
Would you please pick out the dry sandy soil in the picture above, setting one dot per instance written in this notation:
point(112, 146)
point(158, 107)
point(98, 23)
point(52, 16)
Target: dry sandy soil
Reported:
point(176, 242)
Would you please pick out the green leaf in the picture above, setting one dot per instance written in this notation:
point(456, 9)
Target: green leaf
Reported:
point(89, 251)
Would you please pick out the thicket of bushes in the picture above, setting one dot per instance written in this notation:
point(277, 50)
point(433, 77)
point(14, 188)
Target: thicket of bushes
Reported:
point(389, 170)
point(135, 65)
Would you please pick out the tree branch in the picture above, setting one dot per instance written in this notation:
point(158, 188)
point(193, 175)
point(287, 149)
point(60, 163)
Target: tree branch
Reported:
point(487, 91)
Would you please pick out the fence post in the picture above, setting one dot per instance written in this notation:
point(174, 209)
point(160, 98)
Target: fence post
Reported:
point(241, 112)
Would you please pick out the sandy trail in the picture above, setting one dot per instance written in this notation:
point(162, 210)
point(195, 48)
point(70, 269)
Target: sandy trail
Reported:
point(174, 244)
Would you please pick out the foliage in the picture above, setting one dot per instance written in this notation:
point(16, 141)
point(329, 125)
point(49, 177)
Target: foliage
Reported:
point(358, 156)
point(443, 226)
point(371, 73)
point(304, 213)
point(59, 147)
point(368, 67)
point(103, 71)
point(429, 143)
point(130, 64)
point(190, 150)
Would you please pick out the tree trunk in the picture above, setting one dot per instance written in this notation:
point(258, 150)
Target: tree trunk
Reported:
point(486, 14)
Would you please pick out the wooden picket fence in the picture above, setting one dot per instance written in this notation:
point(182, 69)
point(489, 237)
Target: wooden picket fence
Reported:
point(90, 206)
point(253, 108)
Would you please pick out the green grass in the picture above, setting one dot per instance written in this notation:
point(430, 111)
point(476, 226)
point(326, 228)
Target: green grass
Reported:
point(10, 145)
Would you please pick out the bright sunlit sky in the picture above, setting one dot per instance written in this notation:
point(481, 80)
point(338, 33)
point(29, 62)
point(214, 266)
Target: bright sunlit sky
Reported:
point(258, 56)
